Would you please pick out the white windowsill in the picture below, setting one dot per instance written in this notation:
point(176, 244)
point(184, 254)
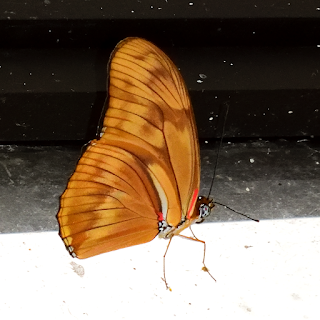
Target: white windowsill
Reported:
point(276, 277)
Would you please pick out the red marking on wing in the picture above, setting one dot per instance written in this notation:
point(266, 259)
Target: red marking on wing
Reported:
point(193, 203)
point(160, 216)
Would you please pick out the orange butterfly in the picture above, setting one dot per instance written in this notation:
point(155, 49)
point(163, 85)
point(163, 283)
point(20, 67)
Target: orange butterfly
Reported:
point(141, 178)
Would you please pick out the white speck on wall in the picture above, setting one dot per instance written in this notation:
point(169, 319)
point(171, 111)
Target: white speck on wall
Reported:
point(52, 73)
point(49, 30)
point(317, 162)
point(202, 76)
point(318, 45)
point(159, 8)
point(206, 141)
point(24, 83)
point(190, 3)
point(224, 61)
point(231, 64)
point(151, 7)
point(316, 110)
point(30, 73)
point(132, 11)
point(251, 160)
point(199, 81)
point(211, 118)
point(247, 189)
point(290, 111)
point(318, 9)
point(289, 3)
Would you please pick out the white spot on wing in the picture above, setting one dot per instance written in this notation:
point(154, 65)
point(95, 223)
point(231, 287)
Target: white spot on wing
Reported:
point(162, 195)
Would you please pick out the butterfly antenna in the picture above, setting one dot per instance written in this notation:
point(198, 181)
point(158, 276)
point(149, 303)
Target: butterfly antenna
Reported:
point(242, 214)
point(218, 152)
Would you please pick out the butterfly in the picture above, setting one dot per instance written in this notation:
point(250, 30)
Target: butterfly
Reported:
point(140, 178)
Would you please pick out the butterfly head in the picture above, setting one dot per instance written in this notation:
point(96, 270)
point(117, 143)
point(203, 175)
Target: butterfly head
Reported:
point(202, 209)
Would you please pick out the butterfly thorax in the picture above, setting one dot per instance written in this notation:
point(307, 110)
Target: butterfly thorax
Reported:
point(200, 212)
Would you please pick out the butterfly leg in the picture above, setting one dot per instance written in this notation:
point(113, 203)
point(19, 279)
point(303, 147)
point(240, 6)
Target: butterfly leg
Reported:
point(164, 266)
point(204, 268)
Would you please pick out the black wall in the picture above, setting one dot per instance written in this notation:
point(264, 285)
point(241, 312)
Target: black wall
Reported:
point(261, 58)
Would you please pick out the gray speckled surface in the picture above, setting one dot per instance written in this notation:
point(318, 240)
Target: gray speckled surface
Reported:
point(266, 180)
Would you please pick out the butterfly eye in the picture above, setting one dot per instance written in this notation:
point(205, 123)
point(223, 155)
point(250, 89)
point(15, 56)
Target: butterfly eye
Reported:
point(204, 212)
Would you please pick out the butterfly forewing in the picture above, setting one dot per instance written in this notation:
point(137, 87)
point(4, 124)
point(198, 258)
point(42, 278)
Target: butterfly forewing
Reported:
point(145, 166)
